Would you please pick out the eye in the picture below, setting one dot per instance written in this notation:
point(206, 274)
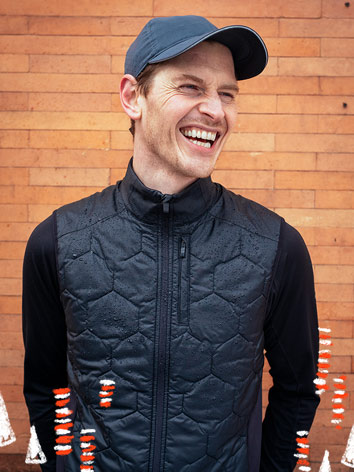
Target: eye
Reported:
point(190, 87)
point(227, 96)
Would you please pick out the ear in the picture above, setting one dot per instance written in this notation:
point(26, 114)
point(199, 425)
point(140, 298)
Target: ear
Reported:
point(129, 96)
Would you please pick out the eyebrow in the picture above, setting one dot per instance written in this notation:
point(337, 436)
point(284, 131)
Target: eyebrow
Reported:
point(233, 87)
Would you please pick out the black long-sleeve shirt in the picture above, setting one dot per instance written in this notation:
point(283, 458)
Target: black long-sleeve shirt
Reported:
point(291, 343)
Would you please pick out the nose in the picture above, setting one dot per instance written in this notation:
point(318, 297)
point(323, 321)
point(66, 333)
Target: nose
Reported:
point(213, 107)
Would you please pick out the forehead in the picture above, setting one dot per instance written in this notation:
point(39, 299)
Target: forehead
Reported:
point(207, 56)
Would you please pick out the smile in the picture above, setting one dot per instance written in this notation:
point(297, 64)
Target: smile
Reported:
point(200, 137)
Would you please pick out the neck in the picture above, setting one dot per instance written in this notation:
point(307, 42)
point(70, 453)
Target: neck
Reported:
point(158, 177)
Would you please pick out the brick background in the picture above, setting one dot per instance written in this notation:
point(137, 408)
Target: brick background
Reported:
point(63, 136)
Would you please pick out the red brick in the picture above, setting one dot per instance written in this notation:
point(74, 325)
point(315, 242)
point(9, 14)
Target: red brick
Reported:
point(38, 213)
point(13, 25)
point(318, 28)
point(249, 179)
point(13, 101)
point(334, 237)
point(14, 139)
point(266, 160)
point(334, 274)
point(11, 250)
point(29, 44)
point(11, 323)
point(69, 102)
point(260, 8)
point(12, 392)
point(314, 180)
point(331, 47)
point(64, 120)
point(83, 8)
point(277, 123)
point(340, 329)
point(73, 64)
point(116, 175)
point(11, 375)
point(340, 364)
point(266, 27)
point(336, 85)
point(116, 104)
point(127, 25)
point(36, 82)
point(334, 199)
point(282, 86)
point(333, 161)
point(69, 26)
point(45, 195)
point(335, 9)
point(332, 255)
point(316, 66)
point(11, 176)
point(14, 63)
point(314, 104)
point(11, 268)
point(10, 287)
point(15, 231)
point(300, 47)
point(13, 212)
point(335, 310)
point(336, 124)
point(118, 64)
point(10, 305)
point(64, 158)
point(69, 177)
point(69, 139)
point(11, 358)
point(317, 217)
point(334, 292)
point(314, 143)
point(257, 103)
point(343, 347)
point(250, 142)
point(121, 140)
point(279, 198)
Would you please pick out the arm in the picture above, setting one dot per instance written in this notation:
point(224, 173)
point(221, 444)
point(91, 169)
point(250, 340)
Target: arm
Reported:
point(291, 343)
point(44, 335)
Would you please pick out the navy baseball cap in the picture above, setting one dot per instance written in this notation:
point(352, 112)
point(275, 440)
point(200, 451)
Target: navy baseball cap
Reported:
point(167, 37)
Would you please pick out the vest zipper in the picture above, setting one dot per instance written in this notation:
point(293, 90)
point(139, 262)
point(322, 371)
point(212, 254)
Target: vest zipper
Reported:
point(163, 340)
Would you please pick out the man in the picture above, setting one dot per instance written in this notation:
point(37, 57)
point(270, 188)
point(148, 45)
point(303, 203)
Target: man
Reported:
point(168, 287)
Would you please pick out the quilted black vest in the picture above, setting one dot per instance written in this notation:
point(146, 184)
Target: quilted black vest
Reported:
point(165, 295)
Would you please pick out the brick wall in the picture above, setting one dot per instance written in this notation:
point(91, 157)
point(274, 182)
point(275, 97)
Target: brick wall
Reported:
point(63, 136)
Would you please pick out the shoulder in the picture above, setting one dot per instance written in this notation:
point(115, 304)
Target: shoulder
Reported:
point(247, 214)
point(87, 211)
point(292, 246)
point(41, 241)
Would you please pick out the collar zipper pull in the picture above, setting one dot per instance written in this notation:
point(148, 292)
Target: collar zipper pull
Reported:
point(166, 203)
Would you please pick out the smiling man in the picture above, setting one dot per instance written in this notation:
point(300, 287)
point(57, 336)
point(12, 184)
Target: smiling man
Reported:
point(154, 300)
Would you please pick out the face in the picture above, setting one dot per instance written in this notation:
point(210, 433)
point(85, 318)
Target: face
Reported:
point(189, 112)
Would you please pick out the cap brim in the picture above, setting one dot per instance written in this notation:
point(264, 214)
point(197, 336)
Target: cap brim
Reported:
point(248, 50)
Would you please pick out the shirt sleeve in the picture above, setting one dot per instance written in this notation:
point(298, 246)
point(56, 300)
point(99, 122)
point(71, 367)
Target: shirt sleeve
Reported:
point(44, 335)
point(291, 344)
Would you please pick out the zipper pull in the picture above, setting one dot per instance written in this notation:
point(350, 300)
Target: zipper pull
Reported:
point(183, 248)
point(166, 203)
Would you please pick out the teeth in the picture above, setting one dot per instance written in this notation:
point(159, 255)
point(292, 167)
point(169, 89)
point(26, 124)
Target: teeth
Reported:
point(198, 143)
point(194, 133)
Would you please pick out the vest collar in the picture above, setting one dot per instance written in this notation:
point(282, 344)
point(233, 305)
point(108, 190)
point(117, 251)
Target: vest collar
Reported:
point(149, 204)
